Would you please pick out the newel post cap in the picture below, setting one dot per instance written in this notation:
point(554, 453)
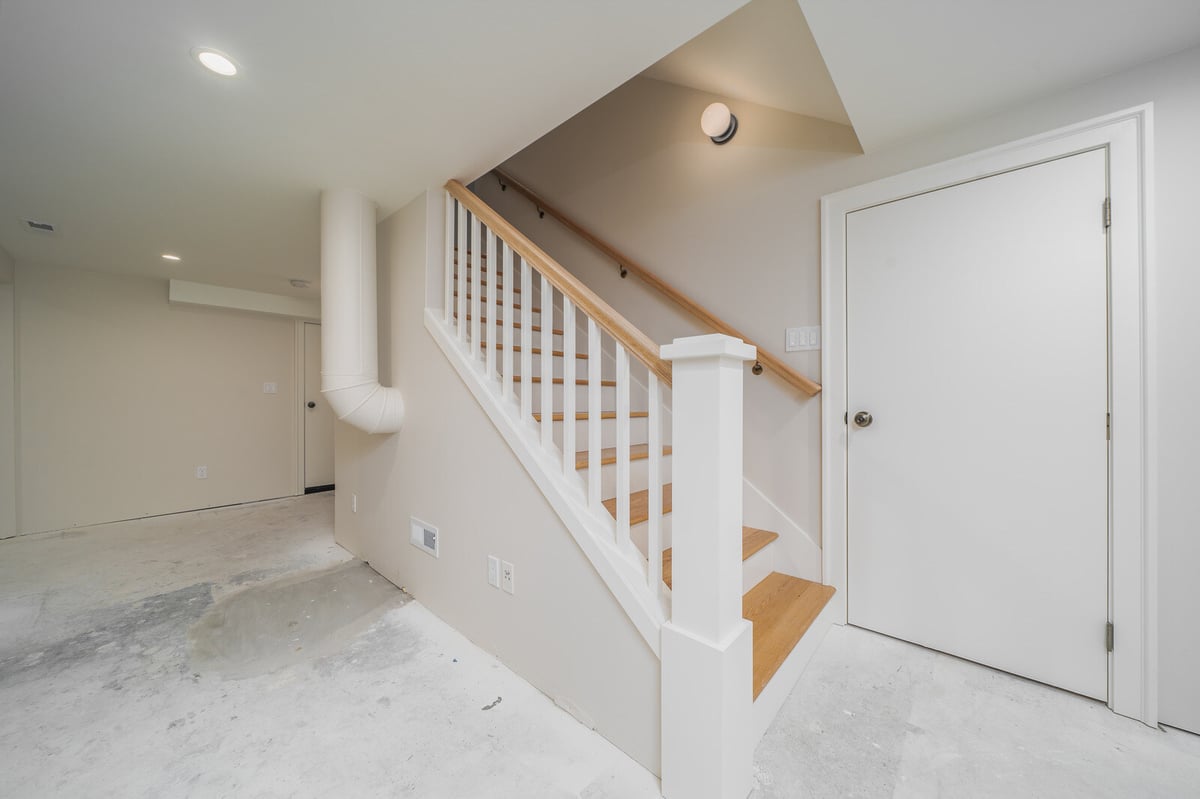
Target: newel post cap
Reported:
point(713, 345)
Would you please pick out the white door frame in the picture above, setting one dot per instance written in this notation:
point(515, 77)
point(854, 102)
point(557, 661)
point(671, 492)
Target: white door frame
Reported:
point(1133, 567)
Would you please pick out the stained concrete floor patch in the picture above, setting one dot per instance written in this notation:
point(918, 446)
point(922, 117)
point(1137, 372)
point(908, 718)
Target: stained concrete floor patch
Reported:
point(290, 620)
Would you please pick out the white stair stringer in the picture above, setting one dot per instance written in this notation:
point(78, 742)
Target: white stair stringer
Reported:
point(622, 569)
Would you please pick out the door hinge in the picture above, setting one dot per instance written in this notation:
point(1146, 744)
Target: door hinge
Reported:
point(1107, 213)
point(1108, 427)
point(846, 417)
point(1108, 637)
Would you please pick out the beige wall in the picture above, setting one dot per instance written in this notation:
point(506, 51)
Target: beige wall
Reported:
point(562, 630)
point(8, 397)
point(121, 395)
point(737, 228)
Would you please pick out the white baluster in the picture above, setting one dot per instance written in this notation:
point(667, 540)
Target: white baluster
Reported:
point(460, 273)
point(622, 445)
point(507, 337)
point(568, 328)
point(492, 303)
point(526, 341)
point(547, 359)
point(594, 406)
point(448, 297)
point(476, 279)
point(654, 469)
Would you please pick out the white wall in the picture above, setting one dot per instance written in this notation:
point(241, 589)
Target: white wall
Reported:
point(8, 397)
point(121, 395)
point(562, 630)
point(737, 228)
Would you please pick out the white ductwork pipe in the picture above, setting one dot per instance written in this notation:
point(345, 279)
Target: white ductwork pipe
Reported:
point(349, 328)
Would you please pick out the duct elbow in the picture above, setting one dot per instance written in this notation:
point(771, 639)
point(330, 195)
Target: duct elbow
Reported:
point(369, 406)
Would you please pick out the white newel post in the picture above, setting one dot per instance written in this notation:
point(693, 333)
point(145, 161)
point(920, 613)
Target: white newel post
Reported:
point(707, 653)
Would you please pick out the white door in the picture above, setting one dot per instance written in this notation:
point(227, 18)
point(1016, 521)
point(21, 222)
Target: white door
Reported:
point(318, 416)
point(977, 339)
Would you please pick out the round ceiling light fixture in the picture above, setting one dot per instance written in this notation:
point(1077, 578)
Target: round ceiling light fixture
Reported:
point(166, 256)
point(299, 283)
point(718, 123)
point(215, 61)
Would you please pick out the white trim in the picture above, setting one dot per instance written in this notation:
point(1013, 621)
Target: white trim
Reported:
point(1133, 668)
point(298, 367)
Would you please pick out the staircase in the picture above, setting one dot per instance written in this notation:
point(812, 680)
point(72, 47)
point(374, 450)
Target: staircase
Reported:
point(588, 404)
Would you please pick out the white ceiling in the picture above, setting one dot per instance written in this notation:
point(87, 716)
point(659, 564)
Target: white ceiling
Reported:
point(763, 53)
point(903, 68)
point(111, 131)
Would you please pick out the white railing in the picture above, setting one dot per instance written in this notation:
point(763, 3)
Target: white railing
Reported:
point(528, 325)
point(499, 290)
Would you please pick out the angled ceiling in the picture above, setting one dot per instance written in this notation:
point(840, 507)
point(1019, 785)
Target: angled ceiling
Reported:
point(763, 53)
point(110, 130)
point(904, 68)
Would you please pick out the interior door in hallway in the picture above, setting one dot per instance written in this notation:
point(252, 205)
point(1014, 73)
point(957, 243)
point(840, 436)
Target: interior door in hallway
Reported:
point(977, 341)
point(318, 416)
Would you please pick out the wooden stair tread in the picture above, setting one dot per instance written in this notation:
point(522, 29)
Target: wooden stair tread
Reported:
point(516, 305)
point(582, 416)
point(782, 608)
point(639, 504)
point(637, 452)
point(753, 541)
point(579, 381)
point(534, 350)
point(517, 325)
point(499, 287)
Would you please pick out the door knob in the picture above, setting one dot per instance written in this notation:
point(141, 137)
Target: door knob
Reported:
point(863, 419)
point(312, 404)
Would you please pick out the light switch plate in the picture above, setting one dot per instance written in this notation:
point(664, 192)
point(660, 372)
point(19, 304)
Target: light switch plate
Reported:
point(493, 571)
point(801, 339)
point(270, 388)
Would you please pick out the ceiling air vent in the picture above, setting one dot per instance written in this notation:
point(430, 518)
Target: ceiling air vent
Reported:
point(41, 227)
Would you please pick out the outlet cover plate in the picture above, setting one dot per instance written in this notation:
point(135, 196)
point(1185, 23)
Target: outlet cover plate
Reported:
point(507, 579)
point(424, 536)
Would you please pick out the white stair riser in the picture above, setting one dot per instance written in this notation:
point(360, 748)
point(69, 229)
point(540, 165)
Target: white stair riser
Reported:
point(638, 433)
point(639, 475)
point(608, 398)
point(754, 568)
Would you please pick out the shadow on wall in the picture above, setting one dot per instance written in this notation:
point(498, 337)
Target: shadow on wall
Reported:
point(646, 117)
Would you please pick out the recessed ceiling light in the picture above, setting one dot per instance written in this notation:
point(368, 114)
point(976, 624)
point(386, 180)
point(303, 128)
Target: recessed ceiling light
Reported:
point(216, 61)
point(169, 257)
point(299, 283)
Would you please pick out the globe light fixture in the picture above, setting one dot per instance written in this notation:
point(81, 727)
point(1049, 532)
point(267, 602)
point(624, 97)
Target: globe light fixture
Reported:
point(718, 123)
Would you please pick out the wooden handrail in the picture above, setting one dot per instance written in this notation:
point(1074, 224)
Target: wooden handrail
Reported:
point(621, 329)
point(765, 359)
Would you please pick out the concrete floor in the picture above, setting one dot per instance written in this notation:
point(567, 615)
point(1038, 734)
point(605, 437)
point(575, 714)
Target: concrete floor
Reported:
point(239, 652)
point(875, 717)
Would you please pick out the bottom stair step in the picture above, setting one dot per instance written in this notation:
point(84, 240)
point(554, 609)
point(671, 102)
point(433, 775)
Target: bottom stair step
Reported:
point(753, 540)
point(782, 608)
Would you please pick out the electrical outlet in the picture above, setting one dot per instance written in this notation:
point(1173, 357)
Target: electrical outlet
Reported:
point(424, 536)
point(270, 388)
point(800, 339)
point(201, 472)
point(354, 503)
point(506, 577)
point(493, 571)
